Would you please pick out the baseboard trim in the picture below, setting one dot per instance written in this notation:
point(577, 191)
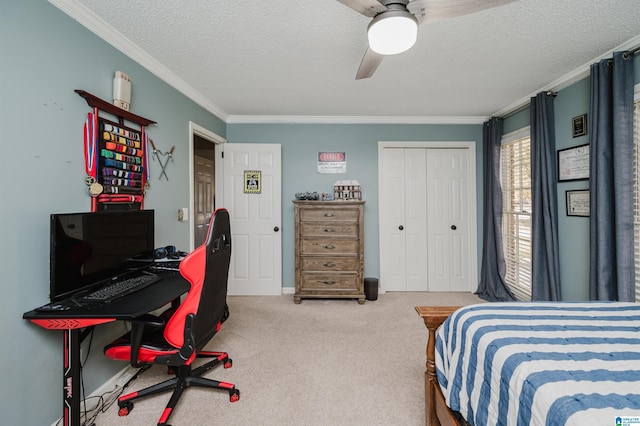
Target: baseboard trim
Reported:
point(117, 381)
point(292, 290)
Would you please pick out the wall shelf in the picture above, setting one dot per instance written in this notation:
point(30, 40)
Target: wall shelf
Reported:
point(95, 102)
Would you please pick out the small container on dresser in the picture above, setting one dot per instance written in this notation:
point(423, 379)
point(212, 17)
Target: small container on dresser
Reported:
point(329, 250)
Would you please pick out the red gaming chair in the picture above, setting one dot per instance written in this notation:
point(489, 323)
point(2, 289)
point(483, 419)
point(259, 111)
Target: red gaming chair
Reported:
point(179, 340)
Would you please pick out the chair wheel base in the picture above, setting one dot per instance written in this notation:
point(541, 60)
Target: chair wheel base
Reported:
point(125, 408)
point(234, 395)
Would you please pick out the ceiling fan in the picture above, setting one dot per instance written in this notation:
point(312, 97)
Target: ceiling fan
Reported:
point(394, 27)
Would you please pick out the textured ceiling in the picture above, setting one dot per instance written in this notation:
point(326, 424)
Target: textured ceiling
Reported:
point(283, 58)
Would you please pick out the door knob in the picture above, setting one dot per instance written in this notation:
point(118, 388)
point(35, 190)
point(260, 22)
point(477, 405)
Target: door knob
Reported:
point(453, 227)
point(401, 227)
point(276, 229)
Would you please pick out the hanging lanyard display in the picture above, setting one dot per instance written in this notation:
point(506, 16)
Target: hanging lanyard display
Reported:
point(90, 142)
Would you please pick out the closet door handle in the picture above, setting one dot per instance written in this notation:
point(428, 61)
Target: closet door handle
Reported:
point(401, 227)
point(453, 227)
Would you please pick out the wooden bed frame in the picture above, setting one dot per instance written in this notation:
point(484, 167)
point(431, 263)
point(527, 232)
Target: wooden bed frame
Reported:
point(436, 410)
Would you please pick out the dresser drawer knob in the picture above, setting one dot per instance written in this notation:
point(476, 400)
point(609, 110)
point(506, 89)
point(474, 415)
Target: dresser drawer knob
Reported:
point(329, 214)
point(329, 282)
point(329, 265)
point(329, 230)
point(329, 247)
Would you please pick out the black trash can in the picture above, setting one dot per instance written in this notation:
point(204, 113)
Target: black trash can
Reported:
point(371, 288)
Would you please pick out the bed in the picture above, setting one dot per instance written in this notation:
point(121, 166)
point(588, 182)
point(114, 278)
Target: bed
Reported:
point(549, 363)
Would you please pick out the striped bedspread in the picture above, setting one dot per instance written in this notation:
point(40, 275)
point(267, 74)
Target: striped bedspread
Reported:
point(542, 363)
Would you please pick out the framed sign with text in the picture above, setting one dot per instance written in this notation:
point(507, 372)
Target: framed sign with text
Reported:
point(578, 203)
point(573, 163)
point(579, 125)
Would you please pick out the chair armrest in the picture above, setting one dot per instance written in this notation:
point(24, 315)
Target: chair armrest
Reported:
point(137, 332)
point(150, 320)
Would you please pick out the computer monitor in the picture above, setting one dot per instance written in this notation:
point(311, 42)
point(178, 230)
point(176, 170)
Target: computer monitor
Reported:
point(89, 247)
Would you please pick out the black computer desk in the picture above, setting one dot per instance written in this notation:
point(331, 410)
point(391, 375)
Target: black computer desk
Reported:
point(74, 320)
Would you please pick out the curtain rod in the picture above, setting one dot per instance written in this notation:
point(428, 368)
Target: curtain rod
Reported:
point(526, 105)
point(631, 52)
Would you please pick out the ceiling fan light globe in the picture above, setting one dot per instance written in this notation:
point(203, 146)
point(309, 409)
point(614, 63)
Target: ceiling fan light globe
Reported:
point(392, 34)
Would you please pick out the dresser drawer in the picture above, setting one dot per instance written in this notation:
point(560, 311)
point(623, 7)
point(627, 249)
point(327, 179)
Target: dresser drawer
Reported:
point(322, 264)
point(328, 215)
point(329, 282)
point(329, 247)
point(329, 230)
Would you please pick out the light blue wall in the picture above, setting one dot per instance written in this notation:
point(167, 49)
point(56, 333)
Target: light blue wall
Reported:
point(573, 231)
point(300, 146)
point(45, 56)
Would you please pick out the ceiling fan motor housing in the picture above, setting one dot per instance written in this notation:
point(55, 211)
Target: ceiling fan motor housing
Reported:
point(394, 30)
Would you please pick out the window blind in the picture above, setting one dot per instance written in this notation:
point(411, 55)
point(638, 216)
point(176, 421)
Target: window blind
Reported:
point(515, 172)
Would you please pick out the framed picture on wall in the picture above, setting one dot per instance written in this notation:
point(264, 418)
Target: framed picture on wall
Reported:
point(573, 163)
point(579, 125)
point(578, 203)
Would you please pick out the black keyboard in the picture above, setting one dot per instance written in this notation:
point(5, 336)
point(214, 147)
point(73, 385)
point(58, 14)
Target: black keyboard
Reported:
point(121, 287)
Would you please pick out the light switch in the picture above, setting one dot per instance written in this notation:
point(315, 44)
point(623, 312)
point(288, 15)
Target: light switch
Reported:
point(183, 214)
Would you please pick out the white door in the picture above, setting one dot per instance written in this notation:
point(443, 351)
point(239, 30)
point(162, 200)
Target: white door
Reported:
point(403, 224)
point(424, 192)
point(447, 220)
point(256, 250)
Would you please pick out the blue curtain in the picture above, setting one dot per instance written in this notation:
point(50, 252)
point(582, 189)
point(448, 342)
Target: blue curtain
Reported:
point(545, 263)
point(611, 274)
point(492, 286)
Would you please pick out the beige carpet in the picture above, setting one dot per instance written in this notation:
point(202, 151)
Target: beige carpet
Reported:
point(323, 362)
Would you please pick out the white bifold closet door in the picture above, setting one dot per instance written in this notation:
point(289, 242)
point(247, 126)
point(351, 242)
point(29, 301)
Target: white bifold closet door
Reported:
point(425, 223)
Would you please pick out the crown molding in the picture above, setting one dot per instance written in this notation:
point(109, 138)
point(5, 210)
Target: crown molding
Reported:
point(102, 29)
point(570, 78)
point(310, 119)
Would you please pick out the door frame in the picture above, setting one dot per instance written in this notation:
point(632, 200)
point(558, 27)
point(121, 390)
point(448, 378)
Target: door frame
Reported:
point(471, 200)
point(208, 135)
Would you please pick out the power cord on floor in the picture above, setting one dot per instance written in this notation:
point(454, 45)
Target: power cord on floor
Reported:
point(105, 401)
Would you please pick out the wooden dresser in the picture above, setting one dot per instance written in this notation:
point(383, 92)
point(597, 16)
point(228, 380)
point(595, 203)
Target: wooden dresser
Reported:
point(329, 250)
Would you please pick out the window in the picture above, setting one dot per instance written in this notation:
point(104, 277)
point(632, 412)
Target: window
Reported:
point(515, 177)
point(636, 188)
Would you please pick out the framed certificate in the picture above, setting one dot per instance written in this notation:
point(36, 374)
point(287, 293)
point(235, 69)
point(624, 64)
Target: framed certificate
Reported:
point(573, 163)
point(578, 203)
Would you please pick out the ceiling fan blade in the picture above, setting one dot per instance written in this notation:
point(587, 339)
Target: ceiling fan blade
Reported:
point(368, 8)
point(369, 64)
point(437, 10)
